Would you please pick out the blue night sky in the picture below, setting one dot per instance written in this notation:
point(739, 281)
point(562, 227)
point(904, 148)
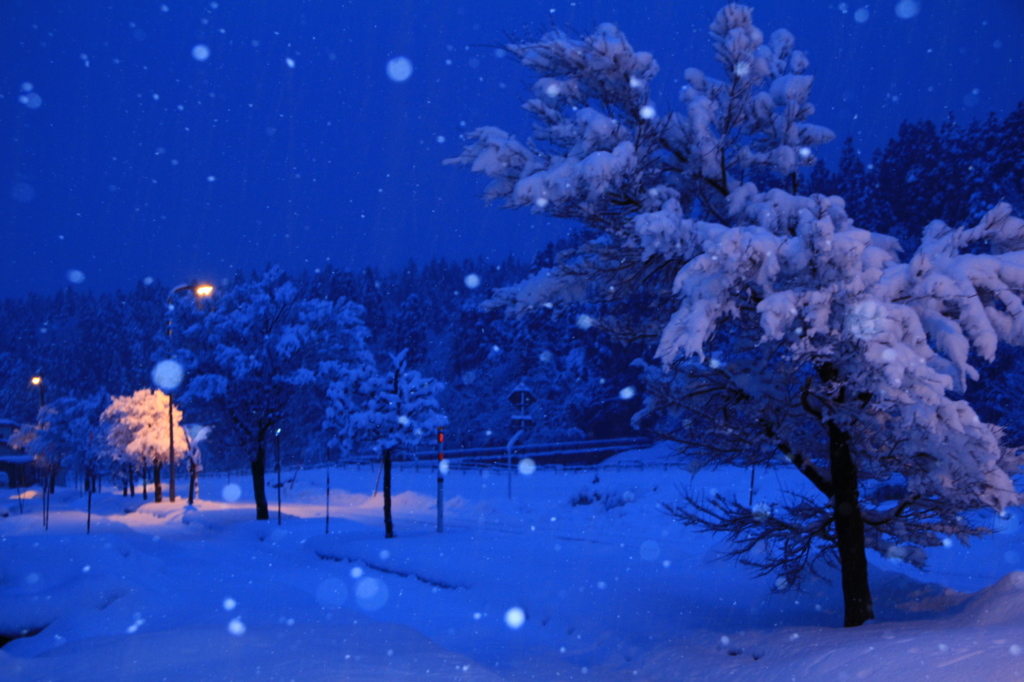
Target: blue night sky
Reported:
point(124, 157)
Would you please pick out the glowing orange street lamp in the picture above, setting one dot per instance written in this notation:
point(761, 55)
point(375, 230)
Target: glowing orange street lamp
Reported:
point(37, 381)
point(201, 291)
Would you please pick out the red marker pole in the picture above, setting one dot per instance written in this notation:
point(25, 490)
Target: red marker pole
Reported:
point(440, 479)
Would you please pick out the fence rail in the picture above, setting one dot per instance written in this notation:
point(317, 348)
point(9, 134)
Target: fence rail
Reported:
point(566, 455)
point(579, 453)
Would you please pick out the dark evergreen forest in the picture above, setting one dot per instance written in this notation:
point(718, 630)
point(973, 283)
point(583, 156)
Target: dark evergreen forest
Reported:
point(583, 377)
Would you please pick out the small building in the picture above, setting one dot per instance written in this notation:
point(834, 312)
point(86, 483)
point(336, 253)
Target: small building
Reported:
point(16, 468)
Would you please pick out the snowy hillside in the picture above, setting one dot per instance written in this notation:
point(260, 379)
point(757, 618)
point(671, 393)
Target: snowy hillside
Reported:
point(579, 576)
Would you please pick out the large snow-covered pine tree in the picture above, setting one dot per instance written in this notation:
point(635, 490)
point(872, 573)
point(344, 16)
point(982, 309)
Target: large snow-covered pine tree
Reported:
point(830, 352)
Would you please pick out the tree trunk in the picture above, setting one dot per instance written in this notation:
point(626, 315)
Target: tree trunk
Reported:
point(144, 481)
point(259, 484)
point(158, 490)
point(131, 480)
point(849, 525)
point(389, 527)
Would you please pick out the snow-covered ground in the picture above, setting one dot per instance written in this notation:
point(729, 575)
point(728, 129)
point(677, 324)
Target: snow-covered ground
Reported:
point(540, 587)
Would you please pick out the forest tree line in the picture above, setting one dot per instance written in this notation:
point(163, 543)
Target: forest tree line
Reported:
point(83, 343)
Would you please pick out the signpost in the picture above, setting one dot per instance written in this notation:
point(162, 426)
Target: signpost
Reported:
point(522, 397)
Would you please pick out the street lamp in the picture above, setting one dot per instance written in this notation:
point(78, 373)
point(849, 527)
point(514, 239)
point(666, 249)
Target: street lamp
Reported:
point(200, 291)
point(37, 381)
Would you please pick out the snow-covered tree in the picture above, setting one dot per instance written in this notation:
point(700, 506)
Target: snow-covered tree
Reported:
point(196, 435)
point(139, 431)
point(780, 325)
point(258, 354)
point(394, 409)
point(66, 435)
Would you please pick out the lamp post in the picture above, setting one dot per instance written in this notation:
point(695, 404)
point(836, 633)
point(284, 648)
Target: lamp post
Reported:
point(200, 291)
point(37, 381)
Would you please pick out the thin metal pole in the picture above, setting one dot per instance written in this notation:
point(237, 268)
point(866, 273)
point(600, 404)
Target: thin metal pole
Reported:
point(46, 499)
point(752, 470)
point(440, 479)
point(512, 444)
point(277, 442)
point(88, 517)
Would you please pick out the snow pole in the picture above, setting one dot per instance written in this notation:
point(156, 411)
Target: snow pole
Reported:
point(511, 445)
point(752, 470)
point(440, 479)
point(88, 516)
point(277, 446)
point(46, 491)
point(327, 516)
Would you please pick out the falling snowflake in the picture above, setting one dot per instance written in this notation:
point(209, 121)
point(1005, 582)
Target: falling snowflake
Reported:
point(399, 69)
point(515, 617)
point(371, 593)
point(331, 593)
point(649, 550)
point(231, 492)
point(167, 375)
point(907, 9)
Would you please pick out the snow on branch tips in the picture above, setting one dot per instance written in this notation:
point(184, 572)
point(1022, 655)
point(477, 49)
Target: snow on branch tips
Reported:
point(773, 309)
